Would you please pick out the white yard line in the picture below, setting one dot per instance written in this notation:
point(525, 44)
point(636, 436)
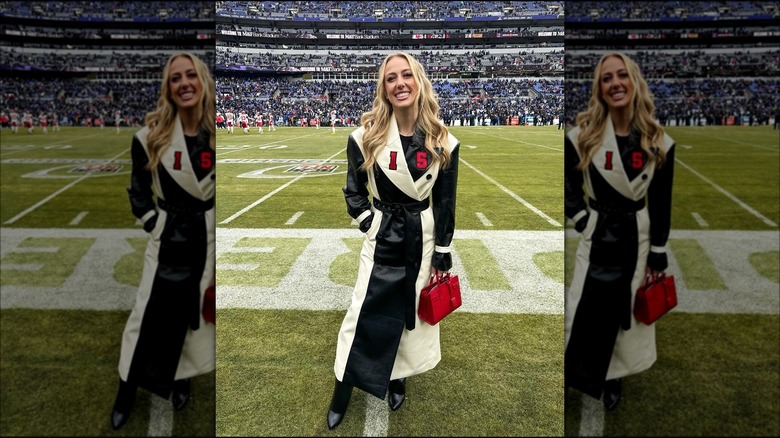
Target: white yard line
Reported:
point(294, 218)
point(160, 417)
point(377, 413)
point(237, 266)
point(275, 191)
point(15, 151)
point(699, 220)
point(750, 209)
point(513, 195)
point(700, 133)
point(264, 143)
point(53, 195)
point(527, 143)
point(592, 417)
point(485, 221)
point(68, 140)
point(76, 220)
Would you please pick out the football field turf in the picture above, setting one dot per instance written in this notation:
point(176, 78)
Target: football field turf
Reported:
point(286, 253)
point(287, 262)
point(71, 257)
point(718, 366)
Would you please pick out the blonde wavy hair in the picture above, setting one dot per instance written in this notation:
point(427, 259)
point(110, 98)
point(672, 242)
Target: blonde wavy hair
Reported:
point(161, 120)
point(377, 120)
point(593, 120)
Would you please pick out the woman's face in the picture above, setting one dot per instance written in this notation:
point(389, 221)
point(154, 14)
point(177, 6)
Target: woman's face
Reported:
point(400, 87)
point(184, 86)
point(615, 84)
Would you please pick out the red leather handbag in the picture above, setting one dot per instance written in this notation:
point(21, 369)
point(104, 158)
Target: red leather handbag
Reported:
point(439, 298)
point(656, 297)
point(210, 304)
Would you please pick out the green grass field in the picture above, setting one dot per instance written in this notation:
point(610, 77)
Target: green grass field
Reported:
point(718, 367)
point(71, 257)
point(287, 262)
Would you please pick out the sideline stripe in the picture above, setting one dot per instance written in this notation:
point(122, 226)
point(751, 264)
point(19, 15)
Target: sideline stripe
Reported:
point(160, 417)
point(729, 195)
point(277, 190)
point(512, 194)
point(53, 195)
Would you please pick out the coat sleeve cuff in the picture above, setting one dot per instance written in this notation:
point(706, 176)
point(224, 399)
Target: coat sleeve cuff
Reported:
point(657, 261)
point(442, 249)
point(150, 223)
point(363, 215)
point(365, 224)
point(580, 214)
point(148, 215)
point(582, 223)
point(442, 261)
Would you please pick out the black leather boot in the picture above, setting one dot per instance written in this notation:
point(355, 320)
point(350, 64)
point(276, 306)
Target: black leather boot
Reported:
point(125, 398)
point(396, 393)
point(181, 393)
point(338, 404)
point(612, 390)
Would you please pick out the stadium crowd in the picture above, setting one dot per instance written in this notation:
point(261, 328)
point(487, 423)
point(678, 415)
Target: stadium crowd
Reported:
point(472, 102)
point(520, 62)
point(80, 102)
point(658, 10)
point(395, 9)
point(694, 63)
point(109, 10)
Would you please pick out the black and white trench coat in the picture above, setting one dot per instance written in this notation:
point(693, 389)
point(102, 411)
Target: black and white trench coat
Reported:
point(408, 228)
point(625, 224)
point(166, 337)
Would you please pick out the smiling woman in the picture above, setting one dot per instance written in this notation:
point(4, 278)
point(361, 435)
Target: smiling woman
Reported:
point(410, 161)
point(619, 165)
point(167, 339)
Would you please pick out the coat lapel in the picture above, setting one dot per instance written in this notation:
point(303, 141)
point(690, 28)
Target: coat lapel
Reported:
point(609, 164)
point(181, 169)
point(392, 162)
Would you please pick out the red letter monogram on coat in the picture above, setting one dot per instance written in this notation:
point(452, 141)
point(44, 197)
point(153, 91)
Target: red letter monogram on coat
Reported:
point(393, 157)
point(177, 160)
point(422, 160)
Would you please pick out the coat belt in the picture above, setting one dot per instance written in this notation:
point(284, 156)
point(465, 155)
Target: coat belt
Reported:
point(626, 208)
point(189, 207)
point(413, 252)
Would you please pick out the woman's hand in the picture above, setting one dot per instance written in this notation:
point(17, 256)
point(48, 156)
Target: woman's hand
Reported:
point(437, 273)
point(652, 275)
